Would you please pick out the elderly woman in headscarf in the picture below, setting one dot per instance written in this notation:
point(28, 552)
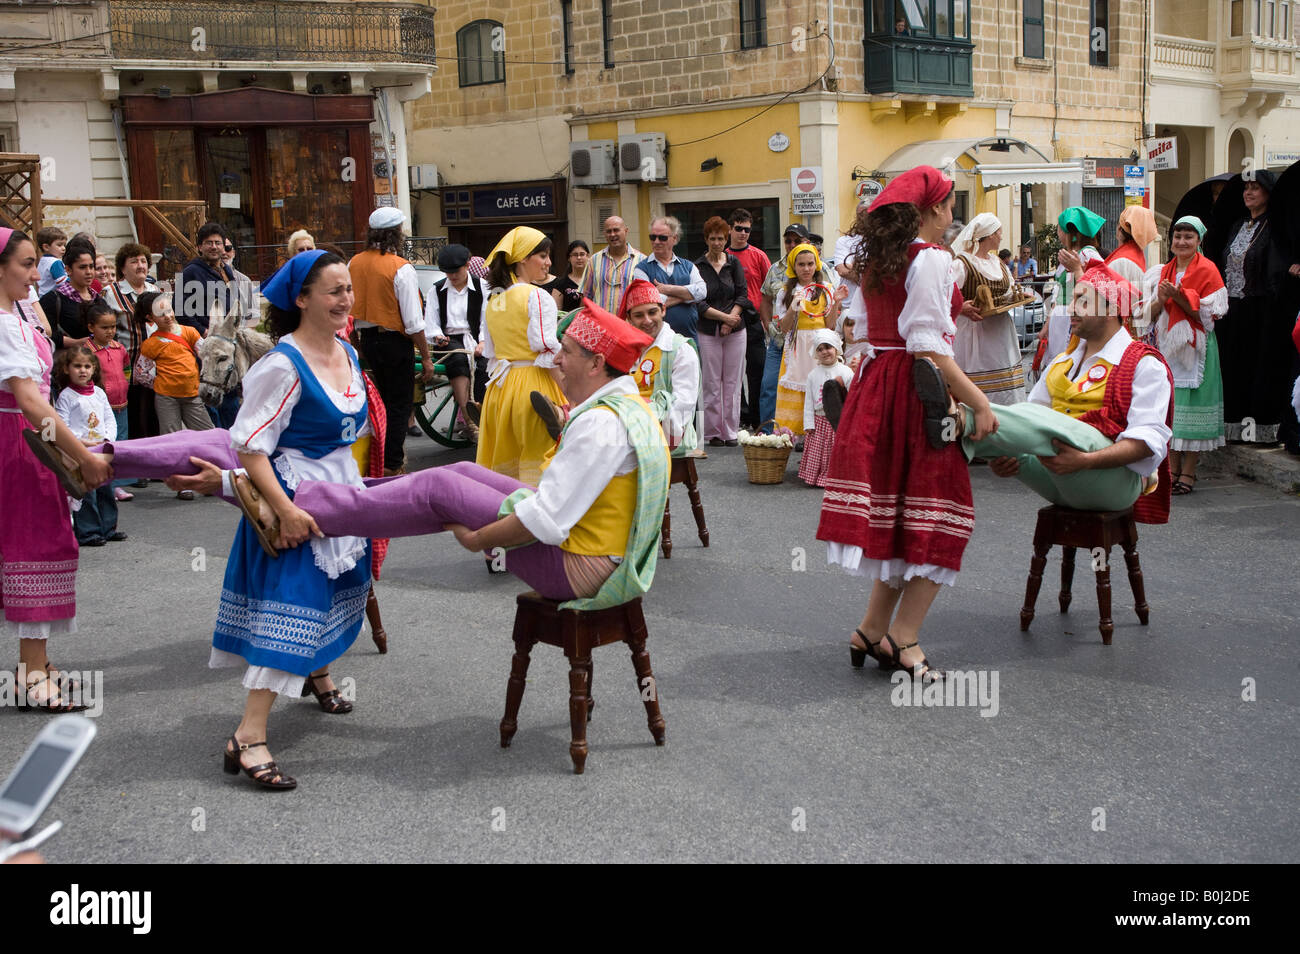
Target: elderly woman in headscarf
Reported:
point(986, 347)
point(1135, 230)
point(520, 345)
point(1077, 228)
point(804, 305)
point(1252, 336)
point(1184, 298)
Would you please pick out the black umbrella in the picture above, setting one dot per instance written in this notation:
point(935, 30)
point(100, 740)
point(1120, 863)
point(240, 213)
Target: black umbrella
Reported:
point(1198, 201)
point(1284, 212)
point(1229, 209)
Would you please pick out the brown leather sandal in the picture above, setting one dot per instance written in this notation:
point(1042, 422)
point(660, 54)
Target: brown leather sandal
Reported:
point(68, 472)
point(267, 775)
point(248, 498)
point(331, 702)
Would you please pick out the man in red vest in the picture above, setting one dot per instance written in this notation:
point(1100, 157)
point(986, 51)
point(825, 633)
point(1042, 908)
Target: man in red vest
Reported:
point(390, 327)
point(1094, 434)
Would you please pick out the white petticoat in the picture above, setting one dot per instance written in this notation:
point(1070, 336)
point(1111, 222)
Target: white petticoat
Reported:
point(41, 630)
point(894, 573)
point(259, 677)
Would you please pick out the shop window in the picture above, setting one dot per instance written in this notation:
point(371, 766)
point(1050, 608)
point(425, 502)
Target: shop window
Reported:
point(304, 187)
point(753, 24)
point(1033, 30)
point(480, 52)
point(607, 32)
point(566, 27)
point(1099, 33)
point(693, 215)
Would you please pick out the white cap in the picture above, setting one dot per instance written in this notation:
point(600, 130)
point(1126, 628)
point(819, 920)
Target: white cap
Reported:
point(387, 218)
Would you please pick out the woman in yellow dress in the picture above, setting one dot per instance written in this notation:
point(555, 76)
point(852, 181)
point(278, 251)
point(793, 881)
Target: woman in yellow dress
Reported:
point(520, 344)
point(803, 311)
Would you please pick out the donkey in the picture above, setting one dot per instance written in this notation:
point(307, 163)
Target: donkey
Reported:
point(226, 354)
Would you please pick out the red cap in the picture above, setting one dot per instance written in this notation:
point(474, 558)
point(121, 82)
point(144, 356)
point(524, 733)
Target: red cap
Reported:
point(600, 332)
point(923, 187)
point(1113, 287)
point(640, 292)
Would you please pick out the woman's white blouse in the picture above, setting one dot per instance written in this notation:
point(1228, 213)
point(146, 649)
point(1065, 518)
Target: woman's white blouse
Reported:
point(18, 357)
point(543, 317)
point(925, 322)
point(271, 392)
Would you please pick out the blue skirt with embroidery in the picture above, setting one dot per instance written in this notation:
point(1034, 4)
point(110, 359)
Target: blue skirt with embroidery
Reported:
point(287, 613)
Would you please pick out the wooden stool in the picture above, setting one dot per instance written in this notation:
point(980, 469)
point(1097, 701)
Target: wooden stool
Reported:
point(684, 473)
point(538, 619)
point(1096, 532)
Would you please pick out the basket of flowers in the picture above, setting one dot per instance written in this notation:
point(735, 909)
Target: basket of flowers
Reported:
point(767, 454)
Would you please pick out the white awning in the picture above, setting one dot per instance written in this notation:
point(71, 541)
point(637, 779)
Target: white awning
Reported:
point(1027, 173)
point(999, 161)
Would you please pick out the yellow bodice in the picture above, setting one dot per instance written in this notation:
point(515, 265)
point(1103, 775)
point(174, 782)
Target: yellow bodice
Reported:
point(507, 321)
point(1077, 398)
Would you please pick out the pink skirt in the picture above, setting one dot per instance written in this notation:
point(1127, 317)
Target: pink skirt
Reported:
point(817, 447)
point(38, 552)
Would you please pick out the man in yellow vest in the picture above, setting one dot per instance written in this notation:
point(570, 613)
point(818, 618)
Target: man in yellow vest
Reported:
point(390, 327)
point(1094, 434)
point(588, 532)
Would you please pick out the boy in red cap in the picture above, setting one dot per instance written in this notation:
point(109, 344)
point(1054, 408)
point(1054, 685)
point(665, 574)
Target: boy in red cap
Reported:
point(1095, 432)
point(668, 372)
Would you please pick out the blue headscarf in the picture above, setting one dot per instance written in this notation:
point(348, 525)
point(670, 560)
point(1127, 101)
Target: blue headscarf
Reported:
point(283, 288)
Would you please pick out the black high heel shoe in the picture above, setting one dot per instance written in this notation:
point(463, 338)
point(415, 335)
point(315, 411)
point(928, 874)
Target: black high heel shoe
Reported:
point(267, 775)
point(858, 656)
point(919, 671)
point(331, 702)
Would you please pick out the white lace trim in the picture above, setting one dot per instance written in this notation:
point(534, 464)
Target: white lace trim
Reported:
point(259, 677)
point(1178, 444)
point(892, 572)
point(284, 467)
point(39, 630)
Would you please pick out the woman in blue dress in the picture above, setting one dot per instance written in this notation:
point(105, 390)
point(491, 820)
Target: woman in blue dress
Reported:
point(293, 604)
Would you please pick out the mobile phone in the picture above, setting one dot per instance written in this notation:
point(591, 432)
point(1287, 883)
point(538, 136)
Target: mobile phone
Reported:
point(41, 772)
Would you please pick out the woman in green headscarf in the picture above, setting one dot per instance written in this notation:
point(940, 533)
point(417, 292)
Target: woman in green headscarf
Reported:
point(520, 344)
point(1077, 228)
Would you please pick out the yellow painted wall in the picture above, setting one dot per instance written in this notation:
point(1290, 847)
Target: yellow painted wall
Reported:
point(743, 152)
point(865, 143)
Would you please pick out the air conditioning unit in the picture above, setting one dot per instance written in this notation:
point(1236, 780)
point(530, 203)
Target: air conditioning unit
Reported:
point(643, 157)
point(423, 176)
point(591, 163)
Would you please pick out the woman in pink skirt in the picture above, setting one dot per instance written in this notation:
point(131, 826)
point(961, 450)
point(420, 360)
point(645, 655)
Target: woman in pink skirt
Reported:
point(38, 552)
point(898, 507)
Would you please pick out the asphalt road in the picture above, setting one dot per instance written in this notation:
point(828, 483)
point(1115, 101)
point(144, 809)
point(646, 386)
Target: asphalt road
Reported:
point(1144, 751)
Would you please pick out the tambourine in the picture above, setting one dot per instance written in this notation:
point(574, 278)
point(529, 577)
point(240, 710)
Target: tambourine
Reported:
point(812, 294)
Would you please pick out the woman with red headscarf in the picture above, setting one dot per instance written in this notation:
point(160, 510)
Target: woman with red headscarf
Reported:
point(898, 507)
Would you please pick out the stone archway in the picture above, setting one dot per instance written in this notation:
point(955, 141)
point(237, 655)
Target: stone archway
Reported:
point(1241, 150)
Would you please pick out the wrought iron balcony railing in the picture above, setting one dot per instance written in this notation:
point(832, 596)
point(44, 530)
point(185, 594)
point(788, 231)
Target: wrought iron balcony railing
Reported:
point(273, 31)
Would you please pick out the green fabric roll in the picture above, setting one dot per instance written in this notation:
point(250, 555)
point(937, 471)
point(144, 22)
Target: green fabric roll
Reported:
point(1025, 431)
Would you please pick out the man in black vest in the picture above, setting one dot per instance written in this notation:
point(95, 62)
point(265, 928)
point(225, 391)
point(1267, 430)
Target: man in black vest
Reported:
point(454, 318)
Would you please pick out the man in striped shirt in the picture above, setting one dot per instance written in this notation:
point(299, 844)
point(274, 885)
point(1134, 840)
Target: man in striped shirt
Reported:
point(610, 270)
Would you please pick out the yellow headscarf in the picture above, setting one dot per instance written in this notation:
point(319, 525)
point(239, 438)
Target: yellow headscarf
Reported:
point(518, 243)
point(794, 253)
point(1140, 223)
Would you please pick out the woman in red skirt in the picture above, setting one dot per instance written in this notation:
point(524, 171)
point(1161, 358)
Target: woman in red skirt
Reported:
point(897, 507)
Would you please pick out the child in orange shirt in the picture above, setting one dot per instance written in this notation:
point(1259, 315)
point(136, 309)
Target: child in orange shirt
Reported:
point(172, 349)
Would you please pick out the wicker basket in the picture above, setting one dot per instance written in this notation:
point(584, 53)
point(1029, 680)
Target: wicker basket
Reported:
point(766, 465)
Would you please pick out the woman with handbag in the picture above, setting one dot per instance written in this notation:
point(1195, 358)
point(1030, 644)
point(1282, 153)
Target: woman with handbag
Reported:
point(722, 337)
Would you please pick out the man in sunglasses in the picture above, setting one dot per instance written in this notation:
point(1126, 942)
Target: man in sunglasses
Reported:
point(677, 279)
point(756, 264)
